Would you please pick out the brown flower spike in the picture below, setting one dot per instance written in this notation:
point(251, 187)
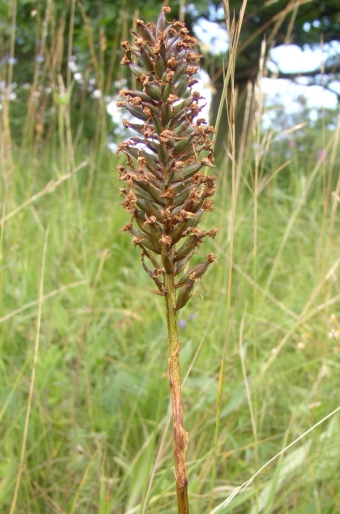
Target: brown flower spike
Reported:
point(165, 192)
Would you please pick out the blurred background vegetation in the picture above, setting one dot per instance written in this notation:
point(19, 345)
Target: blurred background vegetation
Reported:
point(84, 407)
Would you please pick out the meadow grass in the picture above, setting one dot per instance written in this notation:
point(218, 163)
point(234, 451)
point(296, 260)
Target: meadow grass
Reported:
point(99, 422)
point(84, 411)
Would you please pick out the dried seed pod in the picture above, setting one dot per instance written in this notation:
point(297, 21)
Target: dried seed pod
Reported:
point(181, 146)
point(165, 114)
point(186, 248)
point(159, 66)
point(160, 24)
point(153, 91)
point(145, 31)
point(179, 71)
point(137, 112)
point(148, 63)
point(181, 265)
point(149, 208)
point(165, 192)
point(136, 70)
point(182, 86)
point(162, 154)
point(182, 195)
point(157, 124)
point(144, 240)
point(184, 295)
point(182, 106)
point(180, 230)
point(169, 88)
point(189, 171)
point(196, 271)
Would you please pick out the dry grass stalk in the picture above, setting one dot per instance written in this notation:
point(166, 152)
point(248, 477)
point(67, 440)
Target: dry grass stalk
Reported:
point(166, 194)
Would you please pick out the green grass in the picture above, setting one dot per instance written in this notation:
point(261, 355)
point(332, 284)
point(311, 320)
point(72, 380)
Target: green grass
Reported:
point(84, 402)
point(98, 426)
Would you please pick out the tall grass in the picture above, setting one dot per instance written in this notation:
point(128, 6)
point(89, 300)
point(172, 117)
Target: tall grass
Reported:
point(84, 412)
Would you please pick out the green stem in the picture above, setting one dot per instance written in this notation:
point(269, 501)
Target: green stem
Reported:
point(180, 435)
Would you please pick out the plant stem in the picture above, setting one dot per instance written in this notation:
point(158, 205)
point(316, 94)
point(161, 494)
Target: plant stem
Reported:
point(180, 435)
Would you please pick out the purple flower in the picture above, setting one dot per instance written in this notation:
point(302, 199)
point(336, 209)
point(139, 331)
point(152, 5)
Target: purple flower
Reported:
point(182, 323)
point(322, 155)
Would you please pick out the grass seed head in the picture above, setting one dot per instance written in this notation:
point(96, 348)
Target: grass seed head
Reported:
point(164, 192)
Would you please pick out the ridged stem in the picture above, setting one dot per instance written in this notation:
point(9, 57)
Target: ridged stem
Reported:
point(180, 435)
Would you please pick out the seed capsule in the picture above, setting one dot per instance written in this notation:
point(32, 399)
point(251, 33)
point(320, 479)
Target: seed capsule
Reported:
point(167, 260)
point(152, 108)
point(160, 24)
point(179, 71)
point(179, 231)
point(159, 66)
point(181, 146)
point(135, 94)
point(153, 232)
point(190, 170)
point(184, 295)
point(146, 241)
point(148, 63)
point(186, 247)
point(195, 272)
point(162, 154)
point(137, 112)
point(180, 265)
point(181, 196)
point(172, 48)
point(153, 91)
point(149, 208)
point(169, 88)
point(182, 106)
point(145, 31)
point(148, 193)
point(157, 124)
point(135, 126)
point(165, 113)
point(182, 86)
point(136, 70)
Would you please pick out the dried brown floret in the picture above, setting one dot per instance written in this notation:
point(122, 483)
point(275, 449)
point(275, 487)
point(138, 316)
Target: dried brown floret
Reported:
point(125, 60)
